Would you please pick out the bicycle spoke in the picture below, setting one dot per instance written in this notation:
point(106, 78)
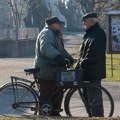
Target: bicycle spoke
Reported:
point(77, 106)
point(17, 100)
point(81, 103)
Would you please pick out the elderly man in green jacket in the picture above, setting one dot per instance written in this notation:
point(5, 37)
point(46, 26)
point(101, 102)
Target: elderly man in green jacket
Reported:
point(50, 58)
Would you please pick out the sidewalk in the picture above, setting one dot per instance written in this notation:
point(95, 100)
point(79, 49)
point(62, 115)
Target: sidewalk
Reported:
point(72, 42)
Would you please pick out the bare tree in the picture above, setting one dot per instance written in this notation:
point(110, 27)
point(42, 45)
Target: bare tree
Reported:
point(86, 5)
point(73, 13)
point(17, 11)
point(37, 12)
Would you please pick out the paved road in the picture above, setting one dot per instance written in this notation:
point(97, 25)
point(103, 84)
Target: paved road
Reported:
point(72, 42)
point(14, 66)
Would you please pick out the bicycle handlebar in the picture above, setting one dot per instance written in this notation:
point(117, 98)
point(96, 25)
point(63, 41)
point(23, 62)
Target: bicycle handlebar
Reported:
point(69, 64)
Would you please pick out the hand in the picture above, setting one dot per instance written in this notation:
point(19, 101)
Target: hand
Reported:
point(60, 60)
point(75, 60)
point(71, 59)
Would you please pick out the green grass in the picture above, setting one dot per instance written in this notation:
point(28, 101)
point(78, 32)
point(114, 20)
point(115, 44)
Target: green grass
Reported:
point(116, 67)
point(15, 118)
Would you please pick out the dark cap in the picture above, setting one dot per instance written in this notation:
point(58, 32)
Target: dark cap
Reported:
point(53, 20)
point(89, 15)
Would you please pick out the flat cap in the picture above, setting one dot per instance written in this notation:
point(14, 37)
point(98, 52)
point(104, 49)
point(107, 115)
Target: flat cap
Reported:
point(89, 15)
point(53, 20)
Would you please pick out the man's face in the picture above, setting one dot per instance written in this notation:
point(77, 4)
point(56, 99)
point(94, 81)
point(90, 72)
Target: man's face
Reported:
point(57, 26)
point(88, 23)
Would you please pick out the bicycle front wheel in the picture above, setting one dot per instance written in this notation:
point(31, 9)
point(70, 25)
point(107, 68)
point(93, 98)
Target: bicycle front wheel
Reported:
point(78, 105)
point(17, 99)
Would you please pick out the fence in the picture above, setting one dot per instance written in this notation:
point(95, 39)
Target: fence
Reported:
point(24, 46)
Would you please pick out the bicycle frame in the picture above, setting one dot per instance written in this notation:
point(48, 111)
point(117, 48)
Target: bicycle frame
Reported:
point(31, 85)
point(19, 102)
point(27, 83)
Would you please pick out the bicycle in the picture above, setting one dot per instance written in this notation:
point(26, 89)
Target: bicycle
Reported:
point(21, 96)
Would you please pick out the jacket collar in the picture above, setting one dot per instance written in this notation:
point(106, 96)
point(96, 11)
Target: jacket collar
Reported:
point(93, 28)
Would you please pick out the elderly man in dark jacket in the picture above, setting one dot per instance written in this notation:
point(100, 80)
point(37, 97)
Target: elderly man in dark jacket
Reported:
point(50, 58)
point(92, 58)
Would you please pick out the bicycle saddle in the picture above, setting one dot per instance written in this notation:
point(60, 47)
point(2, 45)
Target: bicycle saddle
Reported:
point(32, 70)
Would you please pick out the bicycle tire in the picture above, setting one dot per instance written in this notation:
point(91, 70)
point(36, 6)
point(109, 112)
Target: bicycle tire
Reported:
point(18, 99)
point(80, 111)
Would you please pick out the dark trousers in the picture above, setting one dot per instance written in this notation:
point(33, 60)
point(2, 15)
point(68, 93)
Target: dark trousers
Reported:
point(49, 92)
point(92, 95)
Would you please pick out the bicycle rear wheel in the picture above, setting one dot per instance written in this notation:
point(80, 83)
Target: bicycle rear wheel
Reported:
point(17, 99)
point(77, 105)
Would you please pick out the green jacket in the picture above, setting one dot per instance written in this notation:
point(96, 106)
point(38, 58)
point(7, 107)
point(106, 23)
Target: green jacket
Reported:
point(48, 46)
